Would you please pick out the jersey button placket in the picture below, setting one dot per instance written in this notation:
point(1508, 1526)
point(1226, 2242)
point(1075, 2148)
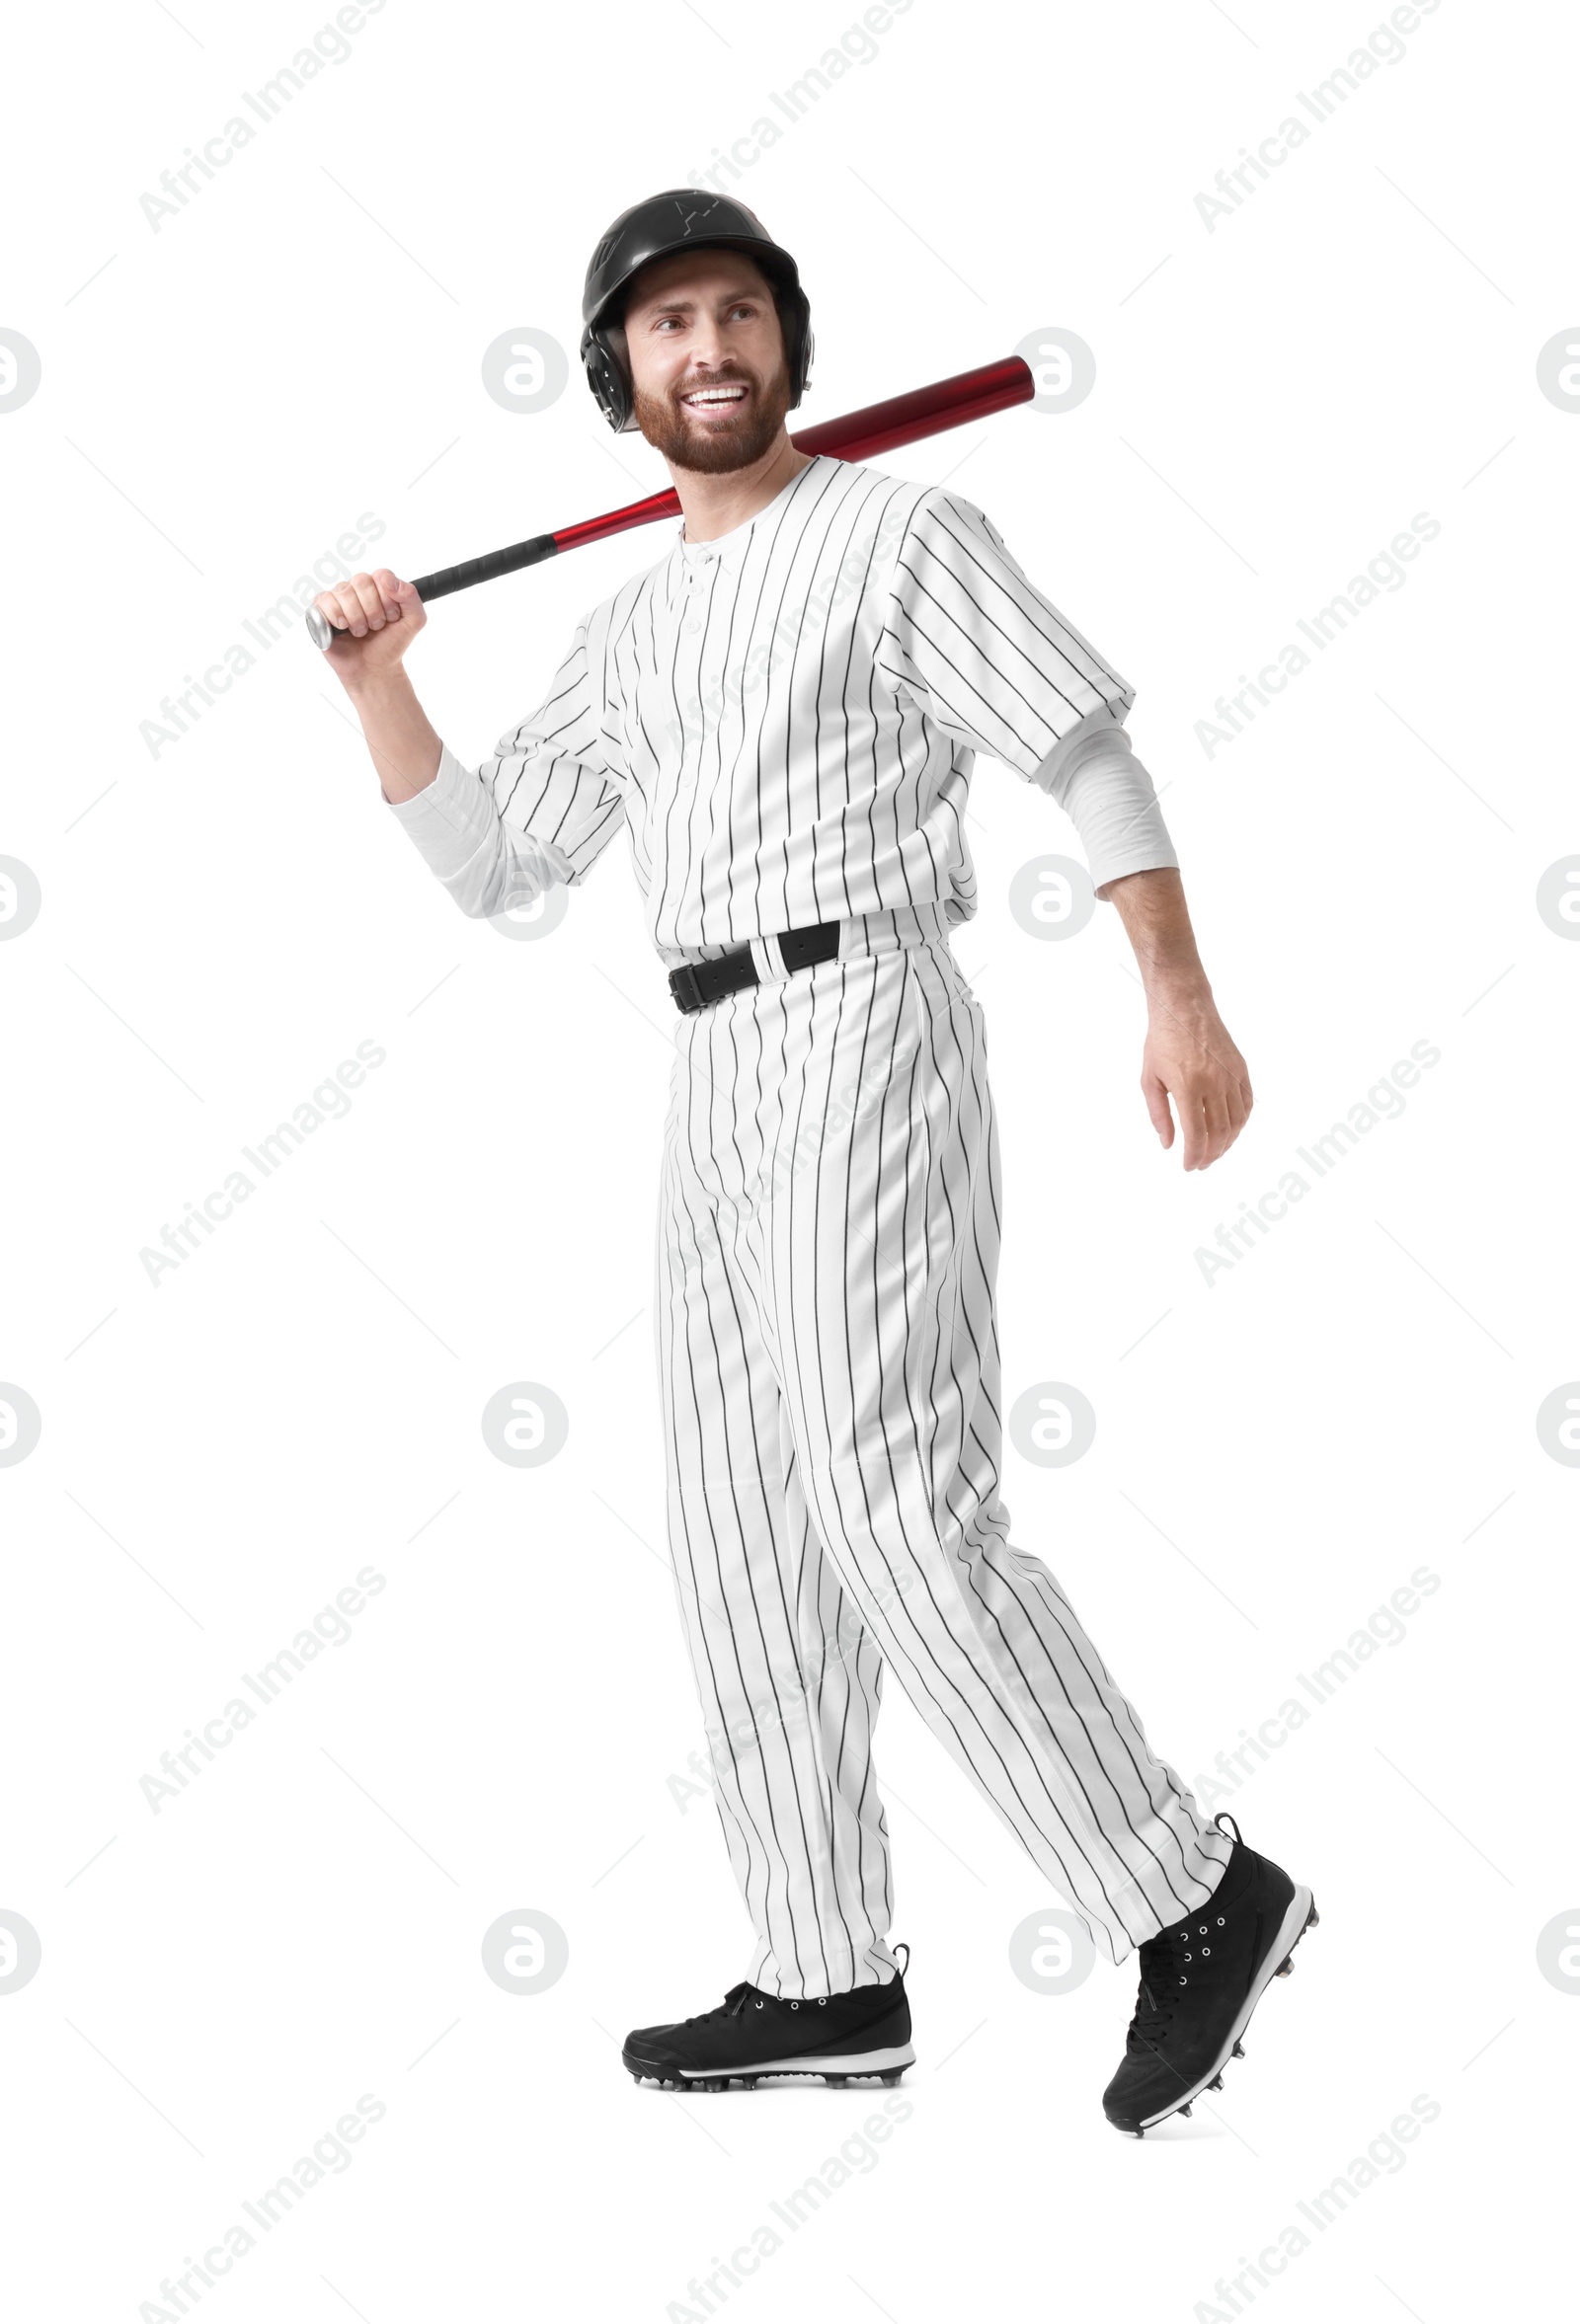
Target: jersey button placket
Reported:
point(696, 574)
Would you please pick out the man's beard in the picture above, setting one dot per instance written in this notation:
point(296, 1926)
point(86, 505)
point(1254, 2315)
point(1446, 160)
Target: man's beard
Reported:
point(664, 422)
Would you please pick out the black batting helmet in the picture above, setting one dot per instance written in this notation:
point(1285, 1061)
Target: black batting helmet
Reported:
point(683, 218)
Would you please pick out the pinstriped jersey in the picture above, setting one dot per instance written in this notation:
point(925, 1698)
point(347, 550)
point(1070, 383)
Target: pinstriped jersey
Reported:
point(785, 719)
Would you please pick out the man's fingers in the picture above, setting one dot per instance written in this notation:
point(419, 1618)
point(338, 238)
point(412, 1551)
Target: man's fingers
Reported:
point(351, 605)
point(1191, 1129)
point(367, 592)
point(389, 590)
point(1237, 1113)
point(1209, 1133)
point(1156, 1096)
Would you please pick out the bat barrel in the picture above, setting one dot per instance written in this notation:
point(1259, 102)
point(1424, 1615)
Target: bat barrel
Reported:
point(924, 411)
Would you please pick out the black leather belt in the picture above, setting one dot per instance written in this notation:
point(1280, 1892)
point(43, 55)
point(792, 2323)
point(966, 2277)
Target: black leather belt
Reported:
point(696, 984)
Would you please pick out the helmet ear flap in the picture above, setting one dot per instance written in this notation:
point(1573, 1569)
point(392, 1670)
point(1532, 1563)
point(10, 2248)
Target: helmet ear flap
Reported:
point(802, 377)
point(793, 310)
point(606, 376)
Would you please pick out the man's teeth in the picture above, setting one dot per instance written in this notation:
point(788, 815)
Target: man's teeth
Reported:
point(715, 395)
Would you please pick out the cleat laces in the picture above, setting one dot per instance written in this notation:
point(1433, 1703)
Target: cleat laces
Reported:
point(1165, 1972)
point(731, 2007)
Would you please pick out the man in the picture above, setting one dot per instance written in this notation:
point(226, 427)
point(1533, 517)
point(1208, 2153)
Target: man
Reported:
point(783, 712)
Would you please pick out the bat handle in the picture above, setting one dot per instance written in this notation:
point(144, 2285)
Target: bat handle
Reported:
point(429, 585)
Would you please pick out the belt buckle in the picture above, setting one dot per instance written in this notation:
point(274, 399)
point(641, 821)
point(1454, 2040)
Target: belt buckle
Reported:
point(683, 985)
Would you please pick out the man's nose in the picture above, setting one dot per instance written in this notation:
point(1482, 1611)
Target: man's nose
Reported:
point(707, 347)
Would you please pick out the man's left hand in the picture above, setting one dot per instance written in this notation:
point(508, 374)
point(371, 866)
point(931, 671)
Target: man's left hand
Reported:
point(1190, 1058)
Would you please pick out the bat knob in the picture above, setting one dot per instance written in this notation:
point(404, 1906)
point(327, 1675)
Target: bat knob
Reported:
point(320, 630)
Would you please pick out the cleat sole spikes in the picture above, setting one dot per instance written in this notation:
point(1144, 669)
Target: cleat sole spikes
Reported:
point(752, 2079)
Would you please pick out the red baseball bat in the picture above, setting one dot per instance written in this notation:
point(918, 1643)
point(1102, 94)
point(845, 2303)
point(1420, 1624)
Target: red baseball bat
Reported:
point(859, 435)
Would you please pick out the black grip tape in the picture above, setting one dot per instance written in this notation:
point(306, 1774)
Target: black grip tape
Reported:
point(483, 569)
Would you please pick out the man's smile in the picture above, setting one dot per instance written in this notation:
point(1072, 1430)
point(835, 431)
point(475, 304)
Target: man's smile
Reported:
point(701, 399)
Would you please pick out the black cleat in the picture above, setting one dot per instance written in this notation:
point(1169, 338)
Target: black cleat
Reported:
point(1200, 1981)
point(754, 2037)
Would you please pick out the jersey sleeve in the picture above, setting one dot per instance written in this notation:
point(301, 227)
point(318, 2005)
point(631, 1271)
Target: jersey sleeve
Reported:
point(537, 813)
point(981, 650)
point(994, 664)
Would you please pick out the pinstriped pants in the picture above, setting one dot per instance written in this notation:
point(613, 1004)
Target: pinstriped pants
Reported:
point(829, 1226)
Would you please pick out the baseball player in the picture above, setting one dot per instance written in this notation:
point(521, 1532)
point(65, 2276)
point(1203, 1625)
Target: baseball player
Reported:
point(783, 713)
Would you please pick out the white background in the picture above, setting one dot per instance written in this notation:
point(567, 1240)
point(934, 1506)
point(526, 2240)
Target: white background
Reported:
point(225, 922)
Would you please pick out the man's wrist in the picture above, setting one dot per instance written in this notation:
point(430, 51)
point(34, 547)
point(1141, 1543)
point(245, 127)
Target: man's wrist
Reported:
point(381, 690)
point(1171, 969)
point(1183, 997)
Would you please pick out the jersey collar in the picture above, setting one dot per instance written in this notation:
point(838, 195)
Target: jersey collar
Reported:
point(728, 547)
